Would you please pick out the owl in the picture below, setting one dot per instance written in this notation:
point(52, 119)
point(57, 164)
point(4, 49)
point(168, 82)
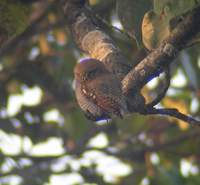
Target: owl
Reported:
point(98, 91)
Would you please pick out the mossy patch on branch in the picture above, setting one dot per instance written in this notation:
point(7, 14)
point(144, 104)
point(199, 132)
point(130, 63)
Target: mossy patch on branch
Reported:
point(13, 17)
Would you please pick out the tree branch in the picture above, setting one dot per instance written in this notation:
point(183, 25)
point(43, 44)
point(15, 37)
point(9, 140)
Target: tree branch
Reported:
point(167, 51)
point(172, 112)
point(92, 40)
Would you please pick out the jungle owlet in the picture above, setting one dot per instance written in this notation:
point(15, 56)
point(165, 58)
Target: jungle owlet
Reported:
point(98, 91)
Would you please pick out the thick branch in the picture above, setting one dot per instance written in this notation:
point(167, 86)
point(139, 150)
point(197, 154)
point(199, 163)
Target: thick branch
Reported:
point(92, 40)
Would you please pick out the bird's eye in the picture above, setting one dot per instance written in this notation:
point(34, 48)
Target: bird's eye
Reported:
point(91, 74)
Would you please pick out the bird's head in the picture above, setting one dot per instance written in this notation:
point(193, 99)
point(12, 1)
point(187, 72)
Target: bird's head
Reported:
point(89, 69)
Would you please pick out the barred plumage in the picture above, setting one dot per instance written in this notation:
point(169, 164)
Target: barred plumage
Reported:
point(98, 91)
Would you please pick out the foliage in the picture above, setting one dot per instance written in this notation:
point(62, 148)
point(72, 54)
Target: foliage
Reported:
point(37, 105)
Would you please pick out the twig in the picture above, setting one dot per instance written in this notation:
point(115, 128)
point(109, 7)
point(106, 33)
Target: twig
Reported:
point(174, 113)
point(108, 25)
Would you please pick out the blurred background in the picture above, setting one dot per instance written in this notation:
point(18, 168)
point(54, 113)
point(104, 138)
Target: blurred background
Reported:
point(45, 138)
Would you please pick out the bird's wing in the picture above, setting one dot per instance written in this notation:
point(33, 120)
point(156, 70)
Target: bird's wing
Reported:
point(85, 103)
point(106, 93)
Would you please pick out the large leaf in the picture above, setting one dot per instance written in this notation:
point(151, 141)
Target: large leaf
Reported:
point(158, 23)
point(154, 29)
